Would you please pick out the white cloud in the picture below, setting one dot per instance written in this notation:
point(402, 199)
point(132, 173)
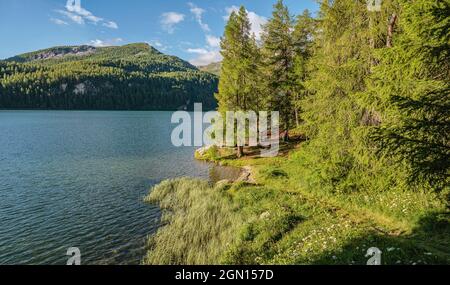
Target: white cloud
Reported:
point(74, 6)
point(75, 18)
point(59, 21)
point(256, 20)
point(111, 25)
point(170, 19)
point(158, 45)
point(105, 43)
point(75, 12)
point(198, 14)
point(97, 43)
point(213, 41)
point(197, 50)
point(210, 52)
point(204, 56)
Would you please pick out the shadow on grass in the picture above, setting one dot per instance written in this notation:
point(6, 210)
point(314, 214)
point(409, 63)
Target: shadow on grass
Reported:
point(255, 152)
point(421, 137)
point(428, 244)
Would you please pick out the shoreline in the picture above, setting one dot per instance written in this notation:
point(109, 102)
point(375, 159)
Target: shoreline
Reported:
point(274, 220)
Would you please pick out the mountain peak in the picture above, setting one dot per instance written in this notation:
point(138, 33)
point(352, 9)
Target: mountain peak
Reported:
point(60, 52)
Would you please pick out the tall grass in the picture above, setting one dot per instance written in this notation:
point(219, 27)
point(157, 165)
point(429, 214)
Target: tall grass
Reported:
point(200, 223)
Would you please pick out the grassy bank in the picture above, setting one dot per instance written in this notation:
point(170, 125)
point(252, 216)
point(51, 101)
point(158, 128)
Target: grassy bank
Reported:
point(289, 217)
point(200, 223)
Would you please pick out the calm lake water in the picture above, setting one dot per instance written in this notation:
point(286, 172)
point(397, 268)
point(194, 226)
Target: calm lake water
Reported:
point(77, 179)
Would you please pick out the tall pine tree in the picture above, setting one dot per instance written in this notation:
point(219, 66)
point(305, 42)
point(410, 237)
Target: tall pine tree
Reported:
point(410, 89)
point(334, 117)
point(240, 59)
point(303, 41)
point(278, 54)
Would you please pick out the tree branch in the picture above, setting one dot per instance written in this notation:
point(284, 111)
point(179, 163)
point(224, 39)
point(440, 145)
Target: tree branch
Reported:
point(391, 28)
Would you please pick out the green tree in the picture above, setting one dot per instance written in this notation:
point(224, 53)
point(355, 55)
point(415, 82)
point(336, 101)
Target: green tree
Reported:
point(303, 41)
point(410, 89)
point(334, 118)
point(240, 57)
point(278, 54)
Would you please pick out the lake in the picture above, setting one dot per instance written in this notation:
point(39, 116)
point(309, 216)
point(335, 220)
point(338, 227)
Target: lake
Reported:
point(77, 179)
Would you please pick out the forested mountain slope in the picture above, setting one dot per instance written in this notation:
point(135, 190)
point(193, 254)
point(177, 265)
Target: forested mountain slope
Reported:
point(213, 68)
point(131, 77)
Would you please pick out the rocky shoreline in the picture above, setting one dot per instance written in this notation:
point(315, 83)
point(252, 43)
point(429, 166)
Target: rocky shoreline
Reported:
point(246, 174)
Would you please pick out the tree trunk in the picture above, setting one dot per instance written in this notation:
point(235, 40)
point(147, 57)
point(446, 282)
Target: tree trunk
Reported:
point(372, 59)
point(391, 28)
point(240, 151)
point(297, 122)
point(285, 136)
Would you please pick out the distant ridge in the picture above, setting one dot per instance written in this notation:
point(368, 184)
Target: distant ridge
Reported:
point(55, 52)
point(214, 68)
point(130, 77)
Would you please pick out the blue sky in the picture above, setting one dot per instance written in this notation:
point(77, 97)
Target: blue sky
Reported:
point(190, 29)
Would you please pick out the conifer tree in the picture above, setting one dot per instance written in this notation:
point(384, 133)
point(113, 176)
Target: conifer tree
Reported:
point(228, 89)
point(411, 90)
point(240, 57)
point(303, 37)
point(332, 115)
point(278, 54)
